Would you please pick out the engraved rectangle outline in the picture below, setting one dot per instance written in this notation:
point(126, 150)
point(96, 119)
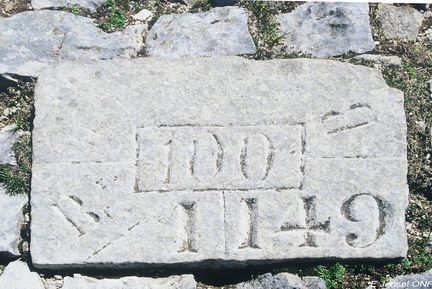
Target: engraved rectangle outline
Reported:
point(302, 156)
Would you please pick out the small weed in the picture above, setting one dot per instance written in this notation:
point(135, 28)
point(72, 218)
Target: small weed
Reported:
point(75, 10)
point(332, 275)
point(115, 12)
point(19, 100)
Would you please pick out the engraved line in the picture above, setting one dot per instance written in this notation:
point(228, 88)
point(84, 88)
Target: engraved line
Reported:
point(220, 154)
point(347, 127)
point(69, 220)
point(168, 173)
point(221, 125)
point(94, 216)
point(270, 157)
point(330, 114)
point(137, 154)
point(190, 210)
point(220, 189)
point(303, 157)
point(225, 223)
point(112, 241)
point(76, 200)
point(251, 241)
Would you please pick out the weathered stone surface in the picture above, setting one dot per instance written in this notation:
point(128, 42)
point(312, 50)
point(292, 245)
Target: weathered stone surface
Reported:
point(31, 40)
point(143, 15)
point(325, 29)
point(178, 167)
point(401, 22)
point(11, 221)
point(413, 281)
point(7, 140)
point(91, 5)
point(17, 275)
point(381, 59)
point(282, 281)
point(172, 282)
point(218, 32)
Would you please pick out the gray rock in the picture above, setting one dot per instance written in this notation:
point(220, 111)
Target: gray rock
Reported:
point(325, 29)
point(399, 22)
point(220, 31)
point(177, 167)
point(7, 140)
point(282, 281)
point(32, 40)
point(143, 15)
point(172, 282)
point(381, 59)
point(17, 275)
point(91, 5)
point(313, 282)
point(12, 218)
point(413, 281)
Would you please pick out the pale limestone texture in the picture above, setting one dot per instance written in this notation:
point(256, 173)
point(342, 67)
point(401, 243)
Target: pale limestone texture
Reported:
point(91, 5)
point(172, 282)
point(8, 136)
point(324, 29)
point(17, 275)
point(11, 220)
point(282, 281)
point(381, 59)
point(402, 22)
point(289, 159)
point(218, 32)
point(32, 40)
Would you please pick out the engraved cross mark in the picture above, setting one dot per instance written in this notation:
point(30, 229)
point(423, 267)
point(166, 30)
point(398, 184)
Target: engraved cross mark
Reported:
point(312, 225)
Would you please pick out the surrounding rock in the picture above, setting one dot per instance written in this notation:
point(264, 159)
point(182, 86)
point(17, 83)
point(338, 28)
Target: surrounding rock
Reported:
point(172, 282)
point(381, 59)
point(143, 15)
point(413, 281)
point(7, 140)
point(399, 22)
point(17, 275)
point(282, 281)
point(10, 226)
point(176, 167)
point(91, 5)
point(220, 31)
point(32, 40)
point(313, 282)
point(325, 29)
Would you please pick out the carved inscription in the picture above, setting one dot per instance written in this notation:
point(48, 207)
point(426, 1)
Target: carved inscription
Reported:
point(311, 226)
point(189, 214)
point(207, 158)
point(251, 224)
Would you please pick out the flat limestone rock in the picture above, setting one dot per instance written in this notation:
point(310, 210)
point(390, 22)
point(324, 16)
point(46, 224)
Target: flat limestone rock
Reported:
point(11, 220)
point(282, 281)
point(152, 162)
point(381, 59)
point(7, 139)
point(412, 281)
point(325, 29)
point(91, 5)
point(17, 275)
point(172, 282)
point(402, 22)
point(219, 32)
point(32, 40)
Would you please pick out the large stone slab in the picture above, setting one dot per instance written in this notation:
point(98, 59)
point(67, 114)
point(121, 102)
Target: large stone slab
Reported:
point(325, 29)
point(11, 215)
point(172, 282)
point(219, 32)
point(32, 40)
point(153, 162)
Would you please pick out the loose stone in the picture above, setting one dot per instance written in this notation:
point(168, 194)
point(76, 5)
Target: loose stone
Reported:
point(220, 31)
point(325, 29)
point(381, 59)
point(17, 275)
point(32, 40)
point(91, 5)
point(399, 22)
